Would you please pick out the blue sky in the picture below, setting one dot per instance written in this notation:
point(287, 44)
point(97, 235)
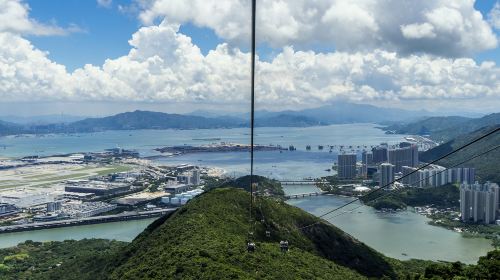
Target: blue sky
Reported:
point(484, 6)
point(363, 51)
point(106, 32)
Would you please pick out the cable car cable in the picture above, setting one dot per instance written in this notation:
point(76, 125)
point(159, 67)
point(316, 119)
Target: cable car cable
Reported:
point(414, 171)
point(400, 189)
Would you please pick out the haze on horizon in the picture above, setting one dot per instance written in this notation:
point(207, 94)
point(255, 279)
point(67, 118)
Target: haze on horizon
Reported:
point(105, 57)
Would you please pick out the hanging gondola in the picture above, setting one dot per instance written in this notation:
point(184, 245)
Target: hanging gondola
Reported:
point(250, 247)
point(284, 246)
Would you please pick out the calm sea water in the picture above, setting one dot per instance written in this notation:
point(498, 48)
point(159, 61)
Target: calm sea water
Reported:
point(146, 140)
point(392, 234)
point(402, 235)
point(122, 231)
point(286, 165)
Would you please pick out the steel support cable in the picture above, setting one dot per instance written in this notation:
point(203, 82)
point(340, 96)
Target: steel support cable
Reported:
point(252, 113)
point(413, 172)
point(394, 192)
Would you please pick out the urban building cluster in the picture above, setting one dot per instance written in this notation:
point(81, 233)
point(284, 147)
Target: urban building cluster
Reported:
point(387, 162)
point(479, 203)
point(58, 210)
point(189, 177)
point(384, 160)
point(84, 198)
point(435, 176)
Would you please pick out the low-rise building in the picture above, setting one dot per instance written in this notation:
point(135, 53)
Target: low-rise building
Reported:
point(54, 206)
point(96, 187)
point(176, 189)
point(7, 209)
point(86, 209)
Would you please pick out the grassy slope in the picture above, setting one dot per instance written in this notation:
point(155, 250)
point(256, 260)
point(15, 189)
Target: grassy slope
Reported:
point(487, 166)
point(207, 239)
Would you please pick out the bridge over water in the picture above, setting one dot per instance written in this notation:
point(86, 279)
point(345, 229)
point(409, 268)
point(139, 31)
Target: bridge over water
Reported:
point(299, 181)
point(301, 195)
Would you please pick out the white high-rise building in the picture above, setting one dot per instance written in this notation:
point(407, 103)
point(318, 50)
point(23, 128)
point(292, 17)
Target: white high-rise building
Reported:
point(386, 174)
point(435, 176)
point(479, 203)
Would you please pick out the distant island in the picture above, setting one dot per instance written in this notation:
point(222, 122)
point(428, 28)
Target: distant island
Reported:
point(221, 147)
point(338, 113)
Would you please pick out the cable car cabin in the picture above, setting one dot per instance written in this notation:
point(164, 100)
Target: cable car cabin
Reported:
point(284, 246)
point(250, 247)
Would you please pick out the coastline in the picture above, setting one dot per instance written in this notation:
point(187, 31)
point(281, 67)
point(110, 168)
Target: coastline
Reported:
point(85, 221)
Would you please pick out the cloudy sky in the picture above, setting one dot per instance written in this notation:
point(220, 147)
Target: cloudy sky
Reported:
point(106, 56)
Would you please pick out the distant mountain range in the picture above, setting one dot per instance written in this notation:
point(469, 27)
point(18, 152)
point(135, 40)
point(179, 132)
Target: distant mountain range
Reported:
point(42, 119)
point(345, 112)
point(338, 113)
point(445, 128)
point(7, 128)
point(153, 120)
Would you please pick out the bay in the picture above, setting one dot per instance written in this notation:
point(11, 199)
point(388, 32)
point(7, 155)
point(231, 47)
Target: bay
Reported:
point(401, 235)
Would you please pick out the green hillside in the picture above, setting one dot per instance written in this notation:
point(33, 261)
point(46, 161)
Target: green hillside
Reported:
point(487, 166)
point(206, 239)
point(427, 126)
point(441, 197)
point(445, 128)
point(467, 127)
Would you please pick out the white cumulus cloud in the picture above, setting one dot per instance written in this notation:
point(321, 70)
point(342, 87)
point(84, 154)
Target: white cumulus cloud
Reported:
point(105, 3)
point(494, 16)
point(163, 65)
point(418, 31)
point(14, 18)
point(441, 27)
